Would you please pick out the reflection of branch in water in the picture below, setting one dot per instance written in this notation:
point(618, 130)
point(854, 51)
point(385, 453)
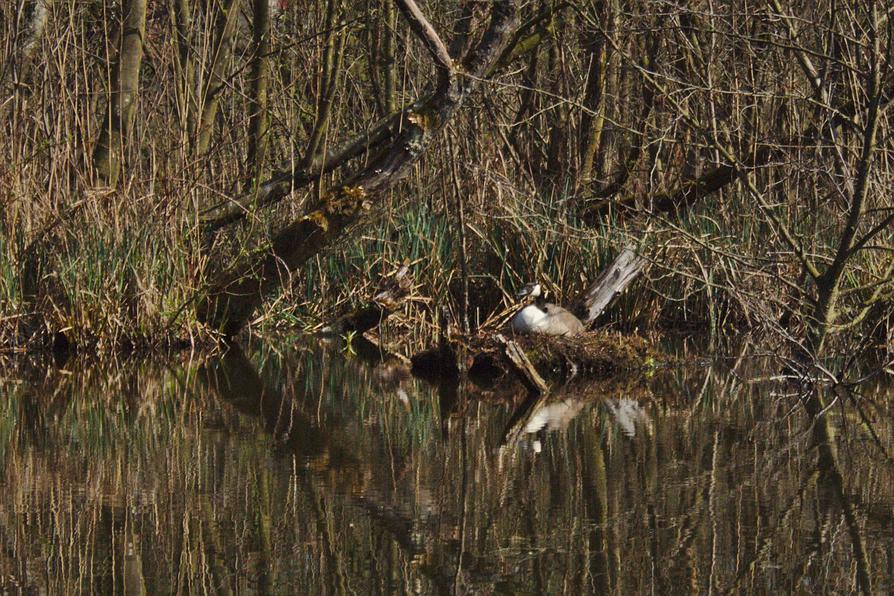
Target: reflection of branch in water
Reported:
point(595, 488)
point(868, 424)
point(464, 504)
point(234, 379)
point(764, 547)
point(218, 567)
point(822, 440)
point(321, 520)
point(134, 581)
point(687, 532)
point(827, 476)
point(516, 425)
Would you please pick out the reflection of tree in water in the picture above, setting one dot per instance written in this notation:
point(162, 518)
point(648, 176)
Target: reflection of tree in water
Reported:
point(306, 468)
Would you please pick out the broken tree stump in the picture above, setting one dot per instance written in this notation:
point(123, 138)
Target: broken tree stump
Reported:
point(609, 285)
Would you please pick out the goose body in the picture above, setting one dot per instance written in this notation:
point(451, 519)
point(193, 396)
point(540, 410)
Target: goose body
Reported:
point(544, 317)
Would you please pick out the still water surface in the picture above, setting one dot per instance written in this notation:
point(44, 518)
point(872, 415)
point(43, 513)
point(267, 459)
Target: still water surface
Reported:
point(305, 469)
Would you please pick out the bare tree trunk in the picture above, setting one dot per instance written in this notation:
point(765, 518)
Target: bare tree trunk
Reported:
point(829, 283)
point(332, 61)
point(527, 102)
point(119, 115)
point(381, 29)
point(36, 16)
point(557, 117)
point(593, 120)
point(611, 96)
point(133, 577)
point(260, 70)
point(624, 168)
point(223, 48)
point(462, 248)
point(389, 59)
point(181, 14)
point(16, 73)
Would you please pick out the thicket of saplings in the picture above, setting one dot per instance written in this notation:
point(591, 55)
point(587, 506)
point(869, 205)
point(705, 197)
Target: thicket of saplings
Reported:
point(745, 150)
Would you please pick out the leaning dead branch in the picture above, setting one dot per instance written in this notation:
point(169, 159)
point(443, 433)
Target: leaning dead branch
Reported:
point(283, 183)
point(233, 298)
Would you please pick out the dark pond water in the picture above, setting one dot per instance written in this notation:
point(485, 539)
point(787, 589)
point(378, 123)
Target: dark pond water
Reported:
point(309, 470)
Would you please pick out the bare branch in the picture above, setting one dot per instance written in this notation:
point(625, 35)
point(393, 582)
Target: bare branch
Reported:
point(803, 57)
point(426, 34)
point(861, 186)
point(281, 184)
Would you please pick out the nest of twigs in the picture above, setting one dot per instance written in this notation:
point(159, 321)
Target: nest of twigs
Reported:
point(596, 355)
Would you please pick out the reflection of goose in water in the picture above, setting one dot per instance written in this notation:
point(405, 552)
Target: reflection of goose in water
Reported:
point(552, 417)
point(628, 413)
point(539, 316)
point(529, 431)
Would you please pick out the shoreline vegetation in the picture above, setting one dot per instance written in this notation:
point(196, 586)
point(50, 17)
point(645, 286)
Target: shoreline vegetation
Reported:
point(257, 260)
point(175, 172)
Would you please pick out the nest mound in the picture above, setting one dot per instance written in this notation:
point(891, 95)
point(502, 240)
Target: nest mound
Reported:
point(598, 354)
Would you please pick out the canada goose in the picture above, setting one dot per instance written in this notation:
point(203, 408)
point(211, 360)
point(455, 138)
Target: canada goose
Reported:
point(539, 316)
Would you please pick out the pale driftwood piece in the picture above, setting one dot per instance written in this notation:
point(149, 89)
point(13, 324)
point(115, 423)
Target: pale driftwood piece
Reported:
point(611, 282)
point(391, 294)
point(523, 366)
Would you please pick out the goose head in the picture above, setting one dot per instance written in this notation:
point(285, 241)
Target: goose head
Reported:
point(530, 290)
